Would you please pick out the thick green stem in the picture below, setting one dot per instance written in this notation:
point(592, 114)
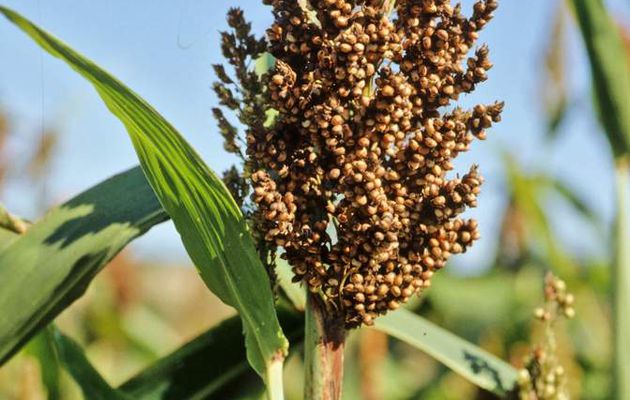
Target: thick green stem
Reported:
point(323, 352)
point(275, 390)
point(621, 286)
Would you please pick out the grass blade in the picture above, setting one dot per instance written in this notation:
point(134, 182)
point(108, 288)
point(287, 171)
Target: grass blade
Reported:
point(209, 221)
point(466, 359)
point(42, 347)
point(211, 366)
point(610, 70)
point(92, 384)
point(46, 269)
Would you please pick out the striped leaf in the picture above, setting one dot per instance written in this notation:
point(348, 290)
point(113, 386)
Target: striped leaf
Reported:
point(44, 270)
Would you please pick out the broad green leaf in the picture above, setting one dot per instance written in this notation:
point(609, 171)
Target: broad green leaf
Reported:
point(92, 384)
point(610, 69)
point(211, 366)
point(6, 238)
point(466, 359)
point(46, 269)
point(208, 219)
point(42, 347)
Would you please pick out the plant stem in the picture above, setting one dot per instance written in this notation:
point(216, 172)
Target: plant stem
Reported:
point(275, 390)
point(323, 352)
point(621, 286)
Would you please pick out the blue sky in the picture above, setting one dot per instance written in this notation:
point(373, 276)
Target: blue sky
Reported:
point(164, 50)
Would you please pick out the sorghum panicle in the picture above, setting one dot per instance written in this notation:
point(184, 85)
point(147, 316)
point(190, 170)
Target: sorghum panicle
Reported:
point(352, 180)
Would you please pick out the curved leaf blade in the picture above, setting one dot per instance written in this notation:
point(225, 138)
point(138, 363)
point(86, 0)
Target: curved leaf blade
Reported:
point(209, 221)
point(42, 347)
point(610, 70)
point(92, 384)
point(466, 359)
point(51, 265)
point(211, 366)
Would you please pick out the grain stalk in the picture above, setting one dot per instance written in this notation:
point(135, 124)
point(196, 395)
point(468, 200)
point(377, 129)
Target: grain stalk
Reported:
point(324, 352)
point(621, 284)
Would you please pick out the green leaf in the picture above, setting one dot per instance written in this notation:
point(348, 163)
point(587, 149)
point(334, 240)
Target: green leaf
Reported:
point(46, 269)
point(92, 384)
point(42, 347)
point(208, 219)
point(6, 238)
point(610, 69)
point(466, 359)
point(211, 366)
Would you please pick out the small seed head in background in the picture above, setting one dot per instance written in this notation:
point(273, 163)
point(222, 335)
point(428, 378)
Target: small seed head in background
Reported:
point(543, 378)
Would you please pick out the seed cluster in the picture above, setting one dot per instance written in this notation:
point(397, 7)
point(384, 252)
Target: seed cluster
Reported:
point(353, 179)
point(543, 378)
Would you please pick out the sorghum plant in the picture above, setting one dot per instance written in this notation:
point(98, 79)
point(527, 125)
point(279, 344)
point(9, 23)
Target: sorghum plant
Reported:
point(346, 170)
point(353, 180)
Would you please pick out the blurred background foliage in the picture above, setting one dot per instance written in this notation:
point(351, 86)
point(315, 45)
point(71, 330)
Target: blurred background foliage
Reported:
point(136, 312)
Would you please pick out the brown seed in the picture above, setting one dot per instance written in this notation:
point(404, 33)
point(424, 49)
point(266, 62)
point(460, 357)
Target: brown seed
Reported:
point(362, 200)
point(337, 120)
point(278, 79)
point(388, 91)
point(345, 47)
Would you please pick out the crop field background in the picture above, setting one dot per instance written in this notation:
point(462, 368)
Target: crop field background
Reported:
point(553, 200)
